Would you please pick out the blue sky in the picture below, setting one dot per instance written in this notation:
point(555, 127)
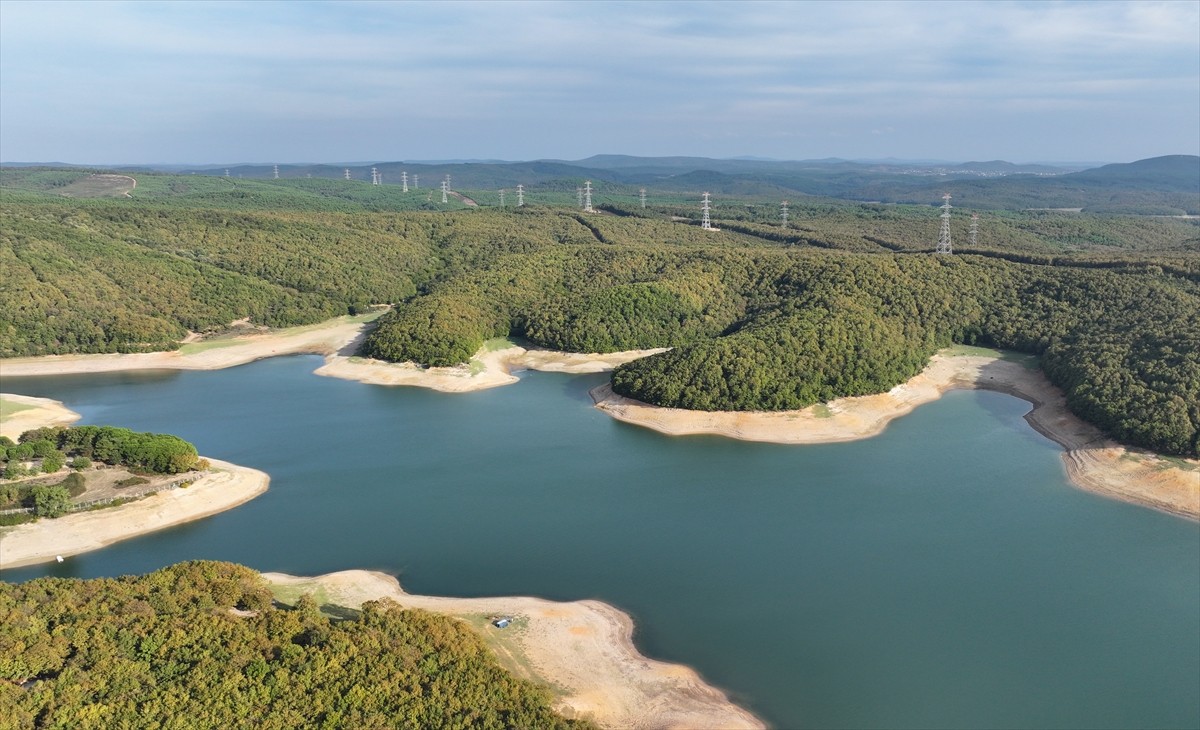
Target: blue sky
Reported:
point(142, 82)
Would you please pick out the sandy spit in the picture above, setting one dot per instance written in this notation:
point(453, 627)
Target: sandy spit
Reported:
point(45, 412)
point(491, 369)
point(225, 487)
point(1092, 461)
point(323, 339)
point(582, 649)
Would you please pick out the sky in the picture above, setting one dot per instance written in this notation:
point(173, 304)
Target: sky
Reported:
point(228, 82)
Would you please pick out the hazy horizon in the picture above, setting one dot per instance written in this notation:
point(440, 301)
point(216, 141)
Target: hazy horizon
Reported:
point(110, 83)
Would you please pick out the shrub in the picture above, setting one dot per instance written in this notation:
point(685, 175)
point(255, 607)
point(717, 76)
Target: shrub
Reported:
point(80, 462)
point(52, 501)
point(53, 461)
point(75, 484)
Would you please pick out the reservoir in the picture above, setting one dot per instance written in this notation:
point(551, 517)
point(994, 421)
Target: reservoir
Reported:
point(942, 574)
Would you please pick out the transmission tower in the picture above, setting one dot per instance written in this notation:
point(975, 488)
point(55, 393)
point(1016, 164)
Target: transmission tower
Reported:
point(579, 196)
point(705, 223)
point(973, 239)
point(642, 195)
point(404, 180)
point(783, 213)
point(277, 172)
point(227, 173)
point(501, 197)
point(346, 173)
point(445, 187)
point(520, 195)
point(374, 176)
point(943, 245)
point(587, 197)
point(416, 181)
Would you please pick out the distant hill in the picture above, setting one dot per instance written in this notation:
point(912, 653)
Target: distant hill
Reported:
point(1172, 173)
point(1157, 186)
point(1163, 185)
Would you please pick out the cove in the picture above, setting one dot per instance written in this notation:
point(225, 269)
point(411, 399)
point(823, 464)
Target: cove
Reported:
point(943, 574)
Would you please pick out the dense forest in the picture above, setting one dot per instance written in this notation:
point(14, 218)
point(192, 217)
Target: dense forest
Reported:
point(201, 645)
point(155, 453)
point(846, 300)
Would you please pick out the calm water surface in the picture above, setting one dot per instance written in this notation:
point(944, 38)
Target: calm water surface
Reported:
point(940, 575)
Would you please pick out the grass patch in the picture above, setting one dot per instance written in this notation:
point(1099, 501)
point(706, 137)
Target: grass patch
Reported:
point(1178, 463)
point(1028, 361)
point(192, 348)
point(131, 482)
point(288, 595)
point(476, 366)
point(19, 518)
point(821, 410)
point(9, 407)
point(498, 343)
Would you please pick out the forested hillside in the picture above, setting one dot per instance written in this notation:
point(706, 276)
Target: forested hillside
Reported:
point(846, 300)
point(199, 645)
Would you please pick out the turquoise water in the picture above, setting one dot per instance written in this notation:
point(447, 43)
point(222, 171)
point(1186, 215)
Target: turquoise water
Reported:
point(943, 574)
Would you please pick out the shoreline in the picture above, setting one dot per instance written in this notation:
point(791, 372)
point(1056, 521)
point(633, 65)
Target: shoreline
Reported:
point(325, 338)
point(338, 340)
point(582, 650)
point(1092, 461)
point(226, 486)
point(41, 412)
point(492, 368)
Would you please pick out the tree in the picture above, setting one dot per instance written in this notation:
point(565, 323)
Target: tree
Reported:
point(53, 461)
point(50, 501)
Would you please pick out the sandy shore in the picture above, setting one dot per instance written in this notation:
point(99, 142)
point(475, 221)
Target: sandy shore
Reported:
point(325, 338)
point(44, 412)
point(338, 340)
point(227, 486)
point(487, 370)
point(1092, 461)
point(583, 650)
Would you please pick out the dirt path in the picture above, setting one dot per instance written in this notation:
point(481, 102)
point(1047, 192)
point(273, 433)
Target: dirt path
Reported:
point(1092, 461)
point(465, 200)
point(583, 650)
